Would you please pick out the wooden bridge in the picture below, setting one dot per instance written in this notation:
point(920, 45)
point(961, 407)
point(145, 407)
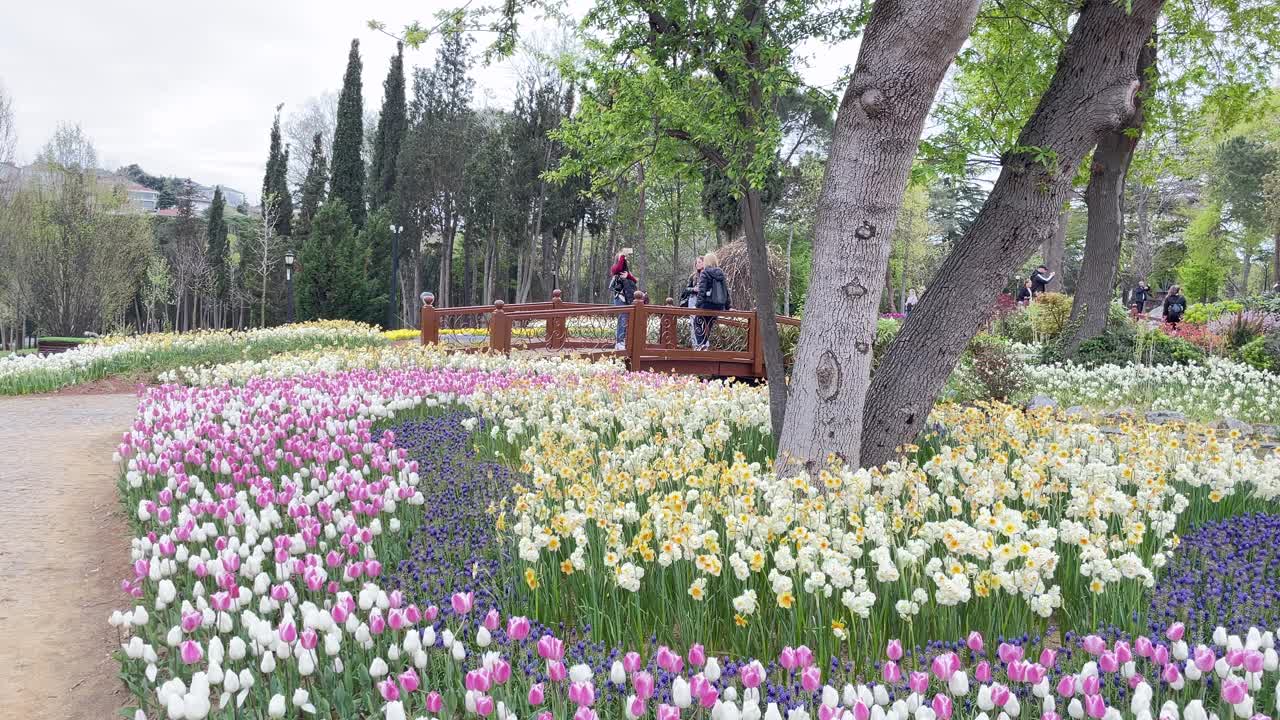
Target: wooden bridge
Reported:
point(656, 337)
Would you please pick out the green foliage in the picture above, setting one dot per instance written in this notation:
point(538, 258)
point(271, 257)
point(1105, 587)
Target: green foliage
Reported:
point(393, 123)
point(275, 182)
point(1243, 162)
point(332, 282)
point(312, 187)
point(989, 370)
point(1154, 347)
point(217, 246)
point(1256, 354)
point(886, 331)
point(1049, 314)
point(347, 176)
point(1269, 303)
point(1200, 313)
point(1202, 270)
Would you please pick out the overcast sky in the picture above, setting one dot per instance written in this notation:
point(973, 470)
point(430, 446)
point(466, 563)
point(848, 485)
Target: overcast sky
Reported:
point(189, 89)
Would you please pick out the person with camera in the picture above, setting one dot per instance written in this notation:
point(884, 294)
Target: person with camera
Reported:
point(622, 288)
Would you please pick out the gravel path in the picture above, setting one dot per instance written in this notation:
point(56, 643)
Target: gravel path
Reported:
point(64, 546)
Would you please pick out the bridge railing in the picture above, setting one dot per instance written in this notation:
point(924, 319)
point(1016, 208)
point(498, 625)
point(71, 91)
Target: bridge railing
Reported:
point(646, 336)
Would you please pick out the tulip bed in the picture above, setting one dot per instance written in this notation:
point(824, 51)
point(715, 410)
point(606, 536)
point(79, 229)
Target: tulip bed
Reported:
point(399, 533)
point(157, 352)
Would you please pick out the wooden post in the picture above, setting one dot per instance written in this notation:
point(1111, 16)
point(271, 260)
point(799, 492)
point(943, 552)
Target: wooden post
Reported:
point(667, 335)
point(499, 329)
point(556, 335)
point(430, 322)
point(756, 344)
point(637, 331)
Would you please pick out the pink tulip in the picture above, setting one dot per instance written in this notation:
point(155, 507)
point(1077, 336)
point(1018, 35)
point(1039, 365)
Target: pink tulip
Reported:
point(1095, 706)
point(894, 650)
point(752, 674)
point(1008, 653)
point(310, 638)
point(1107, 662)
point(637, 707)
point(632, 662)
point(377, 624)
point(975, 641)
point(1017, 671)
point(409, 680)
point(484, 705)
point(1035, 673)
point(945, 665)
point(891, 672)
point(1051, 715)
point(1253, 661)
point(536, 695)
point(463, 602)
point(942, 706)
point(787, 658)
point(191, 652)
point(1091, 685)
point(804, 656)
point(1204, 659)
point(983, 672)
point(1160, 655)
point(1235, 657)
point(1067, 686)
point(556, 671)
point(1234, 690)
point(190, 621)
point(518, 628)
point(826, 712)
point(583, 693)
point(643, 683)
point(585, 713)
point(501, 671)
point(491, 620)
point(434, 702)
point(999, 695)
point(1123, 653)
point(431, 613)
point(697, 656)
point(389, 691)
point(1093, 644)
point(550, 648)
point(1142, 646)
point(918, 682)
point(1175, 632)
point(546, 715)
point(1135, 680)
point(1171, 673)
point(811, 678)
point(668, 712)
point(861, 711)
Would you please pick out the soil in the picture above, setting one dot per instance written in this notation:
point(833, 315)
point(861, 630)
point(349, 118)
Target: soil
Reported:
point(64, 546)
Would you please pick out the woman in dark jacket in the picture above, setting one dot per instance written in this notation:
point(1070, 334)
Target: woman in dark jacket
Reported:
point(622, 286)
point(1174, 305)
point(1024, 293)
point(1141, 296)
point(689, 298)
point(713, 294)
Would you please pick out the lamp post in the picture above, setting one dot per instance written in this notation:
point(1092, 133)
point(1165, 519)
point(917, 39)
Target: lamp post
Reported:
point(395, 271)
point(288, 277)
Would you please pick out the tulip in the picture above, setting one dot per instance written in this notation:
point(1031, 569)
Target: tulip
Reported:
point(1204, 658)
point(1108, 662)
point(484, 705)
point(1093, 644)
point(643, 683)
point(752, 674)
point(582, 693)
point(635, 707)
point(945, 665)
point(697, 655)
point(861, 711)
point(632, 662)
point(617, 673)
point(1067, 686)
point(1175, 632)
point(942, 706)
point(974, 641)
point(435, 703)
point(1091, 685)
point(787, 658)
point(804, 656)
point(192, 653)
point(463, 602)
point(811, 678)
point(536, 695)
point(918, 682)
point(668, 712)
point(1008, 653)
point(982, 673)
point(550, 648)
point(894, 650)
point(389, 691)
point(891, 672)
point(681, 695)
point(1095, 706)
point(1142, 646)
point(409, 680)
point(585, 713)
point(491, 619)
point(518, 628)
point(1000, 695)
point(1234, 690)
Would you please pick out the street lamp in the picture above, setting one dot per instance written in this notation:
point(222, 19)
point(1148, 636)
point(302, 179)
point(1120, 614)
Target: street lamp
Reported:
point(395, 271)
point(288, 276)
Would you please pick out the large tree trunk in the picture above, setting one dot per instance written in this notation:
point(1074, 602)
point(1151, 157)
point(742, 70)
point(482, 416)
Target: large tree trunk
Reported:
point(1055, 249)
point(641, 259)
point(1093, 90)
point(1104, 197)
point(766, 313)
point(906, 50)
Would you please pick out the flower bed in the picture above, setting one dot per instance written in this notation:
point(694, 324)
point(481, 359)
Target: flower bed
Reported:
point(121, 355)
point(305, 547)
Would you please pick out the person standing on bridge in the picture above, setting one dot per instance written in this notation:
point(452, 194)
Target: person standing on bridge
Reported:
point(713, 294)
point(623, 290)
point(689, 297)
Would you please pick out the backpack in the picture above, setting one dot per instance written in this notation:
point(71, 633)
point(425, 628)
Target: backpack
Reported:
point(1176, 308)
point(719, 294)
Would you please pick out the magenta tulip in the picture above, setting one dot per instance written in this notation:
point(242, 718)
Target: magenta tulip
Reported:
point(518, 628)
point(975, 641)
point(894, 650)
point(191, 652)
point(643, 683)
point(942, 706)
point(536, 695)
point(811, 678)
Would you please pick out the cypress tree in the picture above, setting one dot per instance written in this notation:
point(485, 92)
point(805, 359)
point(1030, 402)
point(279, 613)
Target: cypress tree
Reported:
point(217, 253)
point(347, 176)
point(392, 125)
point(274, 182)
point(332, 284)
point(312, 187)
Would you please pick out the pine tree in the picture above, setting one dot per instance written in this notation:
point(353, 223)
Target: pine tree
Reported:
point(217, 244)
point(332, 284)
point(274, 181)
point(347, 177)
point(392, 125)
point(312, 187)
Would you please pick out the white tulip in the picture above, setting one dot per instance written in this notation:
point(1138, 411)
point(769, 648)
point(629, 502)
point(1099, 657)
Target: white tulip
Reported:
point(1195, 709)
point(771, 713)
point(1075, 709)
point(306, 663)
point(174, 637)
point(236, 648)
point(1169, 710)
point(830, 697)
point(378, 667)
point(459, 652)
point(276, 708)
point(268, 664)
point(958, 685)
point(712, 669)
point(680, 694)
point(617, 674)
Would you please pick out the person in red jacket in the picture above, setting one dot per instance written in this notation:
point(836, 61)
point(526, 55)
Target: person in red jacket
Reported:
point(622, 288)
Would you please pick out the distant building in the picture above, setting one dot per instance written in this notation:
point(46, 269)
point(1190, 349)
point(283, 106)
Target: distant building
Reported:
point(142, 197)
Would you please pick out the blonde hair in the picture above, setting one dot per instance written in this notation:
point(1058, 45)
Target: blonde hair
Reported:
point(710, 260)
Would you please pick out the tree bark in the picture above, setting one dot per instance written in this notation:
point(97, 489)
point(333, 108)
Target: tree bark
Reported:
point(791, 236)
point(1104, 197)
point(1142, 250)
point(766, 312)
point(906, 50)
point(1094, 90)
point(638, 243)
point(1055, 248)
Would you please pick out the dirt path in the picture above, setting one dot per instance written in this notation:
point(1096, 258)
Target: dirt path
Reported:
point(64, 546)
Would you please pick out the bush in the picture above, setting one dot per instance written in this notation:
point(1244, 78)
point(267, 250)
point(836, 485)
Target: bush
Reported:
point(989, 370)
point(1049, 314)
point(1269, 303)
point(1200, 313)
point(1016, 326)
point(1240, 328)
point(1155, 347)
point(886, 331)
point(1254, 353)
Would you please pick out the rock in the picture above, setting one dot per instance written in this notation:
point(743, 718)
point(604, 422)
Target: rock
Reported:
point(1267, 431)
point(1165, 416)
point(1077, 411)
point(1039, 402)
point(1119, 413)
point(1241, 426)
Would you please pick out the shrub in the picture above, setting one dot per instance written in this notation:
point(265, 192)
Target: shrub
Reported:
point(1240, 328)
point(1254, 353)
point(1115, 346)
point(989, 370)
point(1155, 347)
point(886, 331)
point(1200, 313)
point(1016, 326)
point(1269, 303)
point(1049, 314)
